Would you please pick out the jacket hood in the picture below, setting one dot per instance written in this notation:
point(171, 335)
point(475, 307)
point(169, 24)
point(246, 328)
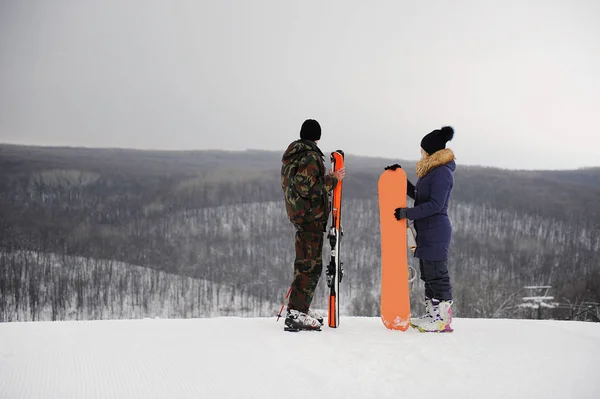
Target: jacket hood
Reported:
point(297, 148)
point(443, 157)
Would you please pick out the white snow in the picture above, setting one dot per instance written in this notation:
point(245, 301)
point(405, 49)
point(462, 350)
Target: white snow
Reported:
point(232, 357)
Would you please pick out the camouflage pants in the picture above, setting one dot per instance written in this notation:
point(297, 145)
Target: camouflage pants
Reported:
point(307, 269)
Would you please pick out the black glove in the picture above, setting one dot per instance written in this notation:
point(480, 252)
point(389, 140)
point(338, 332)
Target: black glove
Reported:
point(393, 167)
point(400, 213)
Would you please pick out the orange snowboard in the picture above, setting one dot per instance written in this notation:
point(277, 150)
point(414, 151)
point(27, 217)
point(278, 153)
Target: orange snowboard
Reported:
point(395, 300)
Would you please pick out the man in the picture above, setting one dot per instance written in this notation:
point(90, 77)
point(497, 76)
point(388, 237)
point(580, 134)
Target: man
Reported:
point(306, 187)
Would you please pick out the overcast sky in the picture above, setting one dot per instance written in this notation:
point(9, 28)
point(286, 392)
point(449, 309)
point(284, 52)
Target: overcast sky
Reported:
point(518, 80)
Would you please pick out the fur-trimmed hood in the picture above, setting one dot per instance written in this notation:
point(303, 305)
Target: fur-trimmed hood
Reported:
point(438, 158)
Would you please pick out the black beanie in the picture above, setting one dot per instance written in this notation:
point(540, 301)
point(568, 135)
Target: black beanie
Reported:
point(311, 130)
point(437, 139)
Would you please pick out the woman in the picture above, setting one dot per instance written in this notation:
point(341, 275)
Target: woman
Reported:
point(435, 171)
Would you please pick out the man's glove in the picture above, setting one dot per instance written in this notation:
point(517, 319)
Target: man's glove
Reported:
point(400, 213)
point(393, 167)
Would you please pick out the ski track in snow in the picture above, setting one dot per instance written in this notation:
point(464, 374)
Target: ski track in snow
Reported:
point(254, 358)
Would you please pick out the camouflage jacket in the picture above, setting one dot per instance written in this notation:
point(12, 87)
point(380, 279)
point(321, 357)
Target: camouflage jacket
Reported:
point(306, 185)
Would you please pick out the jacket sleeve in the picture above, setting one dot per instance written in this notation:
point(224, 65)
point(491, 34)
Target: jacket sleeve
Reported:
point(410, 189)
point(440, 187)
point(309, 182)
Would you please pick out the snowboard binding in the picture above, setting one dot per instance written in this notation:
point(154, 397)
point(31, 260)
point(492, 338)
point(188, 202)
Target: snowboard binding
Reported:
point(412, 274)
point(393, 167)
point(330, 273)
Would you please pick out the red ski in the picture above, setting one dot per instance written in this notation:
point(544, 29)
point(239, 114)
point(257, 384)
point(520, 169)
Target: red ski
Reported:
point(334, 271)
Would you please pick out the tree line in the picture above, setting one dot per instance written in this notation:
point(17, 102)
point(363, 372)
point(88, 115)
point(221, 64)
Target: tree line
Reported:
point(247, 251)
point(204, 216)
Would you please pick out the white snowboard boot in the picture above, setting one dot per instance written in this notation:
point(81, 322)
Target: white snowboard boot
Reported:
point(417, 320)
point(437, 319)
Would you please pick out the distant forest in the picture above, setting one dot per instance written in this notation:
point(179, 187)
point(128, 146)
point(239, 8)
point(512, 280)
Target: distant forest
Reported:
point(110, 233)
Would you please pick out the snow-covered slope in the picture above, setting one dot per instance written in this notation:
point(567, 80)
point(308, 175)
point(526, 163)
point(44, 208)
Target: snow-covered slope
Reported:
point(254, 358)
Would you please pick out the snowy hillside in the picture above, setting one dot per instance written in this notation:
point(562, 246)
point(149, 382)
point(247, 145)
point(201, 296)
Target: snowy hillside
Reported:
point(223, 358)
point(53, 287)
point(85, 234)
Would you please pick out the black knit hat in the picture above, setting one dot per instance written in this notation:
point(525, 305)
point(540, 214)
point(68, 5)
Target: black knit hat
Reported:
point(437, 139)
point(310, 130)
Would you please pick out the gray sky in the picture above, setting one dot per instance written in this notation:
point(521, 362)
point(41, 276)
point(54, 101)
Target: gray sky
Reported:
point(518, 80)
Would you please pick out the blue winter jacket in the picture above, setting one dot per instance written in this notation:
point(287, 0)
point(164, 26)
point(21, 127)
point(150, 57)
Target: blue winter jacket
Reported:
point(430, 211)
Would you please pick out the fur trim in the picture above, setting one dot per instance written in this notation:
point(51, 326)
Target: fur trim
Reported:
point(438, 158)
